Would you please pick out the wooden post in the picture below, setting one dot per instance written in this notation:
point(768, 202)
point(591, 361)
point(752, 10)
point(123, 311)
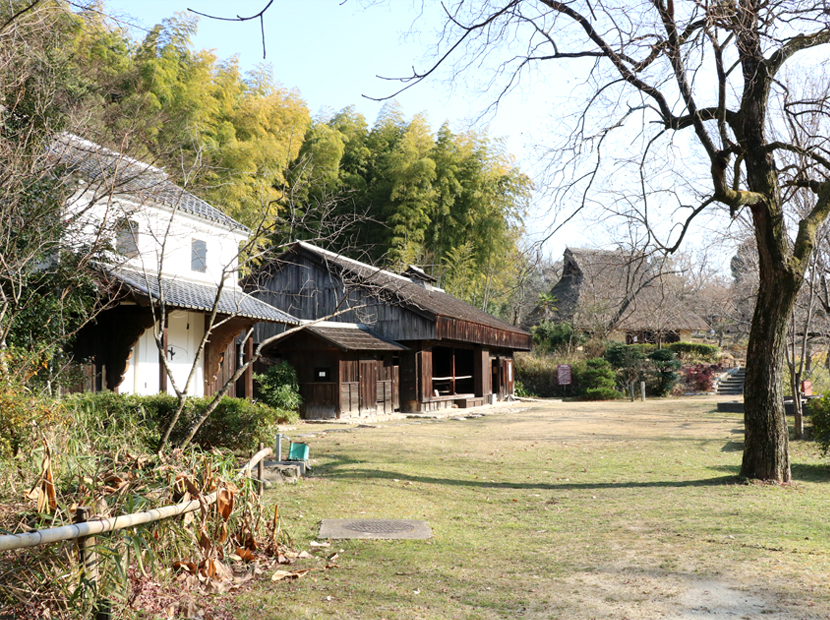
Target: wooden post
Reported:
point(631, 385)
point(163, 353)
point(260, 471)
point(89, 560)
point(249, 372)
point(86, 555)
point(642, 391)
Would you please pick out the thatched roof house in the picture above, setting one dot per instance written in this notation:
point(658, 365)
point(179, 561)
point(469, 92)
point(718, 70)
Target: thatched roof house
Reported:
point(622, 296)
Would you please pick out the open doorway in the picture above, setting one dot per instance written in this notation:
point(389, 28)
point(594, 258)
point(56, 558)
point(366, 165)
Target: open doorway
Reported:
point(452, 371)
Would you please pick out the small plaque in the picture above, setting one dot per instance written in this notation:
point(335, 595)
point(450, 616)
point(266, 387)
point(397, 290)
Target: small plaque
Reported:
point(563, 374)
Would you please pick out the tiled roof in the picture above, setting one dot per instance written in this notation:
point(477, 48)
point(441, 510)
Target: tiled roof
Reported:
point(353, 337)
point(192, 296)
point(429, 299)
point(129, 177)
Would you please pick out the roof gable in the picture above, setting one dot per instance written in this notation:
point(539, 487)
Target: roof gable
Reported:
point(430, 302)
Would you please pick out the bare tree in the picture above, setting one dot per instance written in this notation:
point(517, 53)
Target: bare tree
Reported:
point(704, 77)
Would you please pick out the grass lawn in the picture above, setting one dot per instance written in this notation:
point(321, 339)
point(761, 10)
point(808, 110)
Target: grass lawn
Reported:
point(561, 510)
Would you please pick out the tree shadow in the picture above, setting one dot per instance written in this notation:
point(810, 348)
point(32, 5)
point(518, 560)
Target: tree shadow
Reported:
point(810, 472)
point(333, 471)
point(733, 446)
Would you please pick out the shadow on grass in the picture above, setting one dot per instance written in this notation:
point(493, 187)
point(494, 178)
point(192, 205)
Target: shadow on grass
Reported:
point(811, 472)
point(733, 446)
point(802, 472)
point(332, 472)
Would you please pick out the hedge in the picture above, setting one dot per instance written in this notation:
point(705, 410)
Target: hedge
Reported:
point(236, 424)
point(693, 352)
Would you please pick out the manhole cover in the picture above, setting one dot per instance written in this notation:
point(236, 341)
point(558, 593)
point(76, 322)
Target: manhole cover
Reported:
point(375, 528)
point(379, 526)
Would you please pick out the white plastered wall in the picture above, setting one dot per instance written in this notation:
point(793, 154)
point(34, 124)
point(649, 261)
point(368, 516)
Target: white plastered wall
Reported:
point(161, 230)
point(184, 333)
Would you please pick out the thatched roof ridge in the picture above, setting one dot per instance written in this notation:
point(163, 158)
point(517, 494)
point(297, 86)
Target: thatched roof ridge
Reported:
point(613, 289)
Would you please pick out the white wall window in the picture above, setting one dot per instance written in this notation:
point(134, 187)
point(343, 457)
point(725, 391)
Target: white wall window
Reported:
point(198, 255)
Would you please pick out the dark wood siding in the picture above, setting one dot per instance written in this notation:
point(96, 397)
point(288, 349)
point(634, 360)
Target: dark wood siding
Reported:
point(361, 383)
point(227, 366)
point(409, 381)
point(307, 291)
point(481, 377)
point(463, 331)
point(368, 386)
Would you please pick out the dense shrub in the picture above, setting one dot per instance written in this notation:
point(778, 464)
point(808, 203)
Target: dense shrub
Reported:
point(598, 374)
point(603, 393)
point(235, 424)
point(538, 376)
point(279, 387)
point(665, 366)
point(644, 362)
point(820, 420)
point(629, 360)
point(550, 336)
point(695, 353)
point(700, 378)
point(24, 413)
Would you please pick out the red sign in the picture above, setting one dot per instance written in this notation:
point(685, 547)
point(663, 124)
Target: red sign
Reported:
point(563, 374)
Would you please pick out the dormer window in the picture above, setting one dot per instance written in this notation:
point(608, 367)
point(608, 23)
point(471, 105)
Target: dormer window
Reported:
point(198, 255)
point(126, 238)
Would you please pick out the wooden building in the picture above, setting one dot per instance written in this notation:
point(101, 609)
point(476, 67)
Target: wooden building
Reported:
point(343, 370)
point(171, 263)
point(452, 354)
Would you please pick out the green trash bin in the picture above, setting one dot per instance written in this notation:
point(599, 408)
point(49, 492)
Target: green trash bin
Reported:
point(298, 451)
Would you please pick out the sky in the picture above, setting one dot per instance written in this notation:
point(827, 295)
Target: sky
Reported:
point(333, 51)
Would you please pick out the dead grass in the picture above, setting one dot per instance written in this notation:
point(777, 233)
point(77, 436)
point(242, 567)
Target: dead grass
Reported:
point(563, 510)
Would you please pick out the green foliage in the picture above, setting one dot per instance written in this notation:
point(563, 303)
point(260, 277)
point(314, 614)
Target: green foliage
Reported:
point(279, 387)
point(665, 377)
point(450, 202)
point(602, 393)
point(538, 375)
point(598, 374)
point(695, 353)
point(235, 424)
point(630, 361)
point(550, 336)
point(644, 362)
point(819, 409)
point(24, 414)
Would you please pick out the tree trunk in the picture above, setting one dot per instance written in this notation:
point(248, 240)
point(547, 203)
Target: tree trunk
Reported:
point(766, 446)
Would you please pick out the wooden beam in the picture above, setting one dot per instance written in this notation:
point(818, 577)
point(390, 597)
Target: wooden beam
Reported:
point(249, 372)
point(163, 355)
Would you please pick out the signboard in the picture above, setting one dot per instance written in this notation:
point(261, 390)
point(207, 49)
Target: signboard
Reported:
point(563, 374)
